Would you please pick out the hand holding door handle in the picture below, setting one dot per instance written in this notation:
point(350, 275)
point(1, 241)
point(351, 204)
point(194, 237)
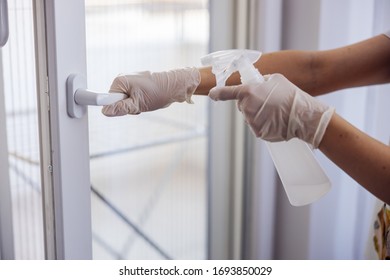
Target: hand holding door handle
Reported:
point(78, 97)
point(148, 92)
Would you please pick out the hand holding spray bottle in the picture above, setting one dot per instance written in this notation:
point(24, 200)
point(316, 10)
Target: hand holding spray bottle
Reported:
point(303, 178)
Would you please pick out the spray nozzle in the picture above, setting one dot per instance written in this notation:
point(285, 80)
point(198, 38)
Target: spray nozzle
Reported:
point(224, 63)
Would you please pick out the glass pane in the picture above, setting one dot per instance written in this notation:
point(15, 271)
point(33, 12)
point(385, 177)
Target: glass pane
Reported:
point(148, 172)
point(18, 70)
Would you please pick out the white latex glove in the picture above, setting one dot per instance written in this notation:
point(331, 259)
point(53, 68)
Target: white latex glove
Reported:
point(151, 91)
point(277, 110)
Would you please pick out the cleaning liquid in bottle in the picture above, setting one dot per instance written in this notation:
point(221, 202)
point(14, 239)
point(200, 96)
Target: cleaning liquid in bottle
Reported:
point(302, 176)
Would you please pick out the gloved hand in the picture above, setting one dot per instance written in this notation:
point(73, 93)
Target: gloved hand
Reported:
point(277, 110)
point(151, 91)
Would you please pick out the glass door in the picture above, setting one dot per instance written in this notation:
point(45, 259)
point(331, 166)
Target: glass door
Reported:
point(148, 172)
point(21, 187)
point(132, 187)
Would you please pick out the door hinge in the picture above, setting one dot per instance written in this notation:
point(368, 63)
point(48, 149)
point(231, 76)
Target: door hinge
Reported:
point(46, 93)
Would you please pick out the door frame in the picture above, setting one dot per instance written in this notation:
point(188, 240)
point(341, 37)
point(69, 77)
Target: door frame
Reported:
point(67, 201)
point(6, 224)
point(226, 144)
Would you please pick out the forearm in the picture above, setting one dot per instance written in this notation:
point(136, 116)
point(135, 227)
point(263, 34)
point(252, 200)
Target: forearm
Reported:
point(361, 64)
point(365, 159)
point(295, 65)
point(319, 72)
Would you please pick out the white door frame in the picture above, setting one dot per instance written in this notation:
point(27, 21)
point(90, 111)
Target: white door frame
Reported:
point(66, 54)
point(226, 144)
point(6, 225)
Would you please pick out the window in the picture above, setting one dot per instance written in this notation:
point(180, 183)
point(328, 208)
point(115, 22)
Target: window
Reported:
point(20, 93)
point(148, 172)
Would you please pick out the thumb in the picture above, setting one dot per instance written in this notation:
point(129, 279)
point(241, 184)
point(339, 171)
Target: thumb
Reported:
point(224, 93)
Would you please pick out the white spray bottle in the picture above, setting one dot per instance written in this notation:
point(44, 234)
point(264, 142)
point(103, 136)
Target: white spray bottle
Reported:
point(303, 178)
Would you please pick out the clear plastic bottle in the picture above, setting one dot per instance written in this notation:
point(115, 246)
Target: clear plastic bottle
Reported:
point(303, 178)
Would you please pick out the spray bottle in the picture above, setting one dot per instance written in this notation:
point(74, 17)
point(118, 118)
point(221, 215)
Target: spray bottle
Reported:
point(303, 178)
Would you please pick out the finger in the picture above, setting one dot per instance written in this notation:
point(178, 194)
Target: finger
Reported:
point(224, 93)
point(267, 77)
point(119, 84)
point(239, 107)
point(113, 110)
point(122, 83)
point(121, 108)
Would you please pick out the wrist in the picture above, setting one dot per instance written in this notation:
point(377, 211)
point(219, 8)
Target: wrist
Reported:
point(179, 84)
point(308, 118)
point(207, 81)
point(193, 80)
point(323, 124)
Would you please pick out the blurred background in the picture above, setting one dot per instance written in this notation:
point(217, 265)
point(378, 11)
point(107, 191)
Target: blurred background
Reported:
point(189, 181)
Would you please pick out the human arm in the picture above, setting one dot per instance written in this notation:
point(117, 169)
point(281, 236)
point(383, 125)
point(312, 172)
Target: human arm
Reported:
point(151, 91)
point(318, 72)
point(277, 110)
point(362, 157)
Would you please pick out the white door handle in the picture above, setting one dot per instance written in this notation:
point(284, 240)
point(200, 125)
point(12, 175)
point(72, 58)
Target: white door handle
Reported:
point(78, 97)
point(87, 97)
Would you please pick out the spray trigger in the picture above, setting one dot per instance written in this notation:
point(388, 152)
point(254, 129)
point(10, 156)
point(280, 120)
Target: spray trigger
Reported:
point(225, 63)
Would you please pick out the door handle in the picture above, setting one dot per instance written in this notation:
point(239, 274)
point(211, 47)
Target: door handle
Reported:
point(4, 31)
point(79, 97)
